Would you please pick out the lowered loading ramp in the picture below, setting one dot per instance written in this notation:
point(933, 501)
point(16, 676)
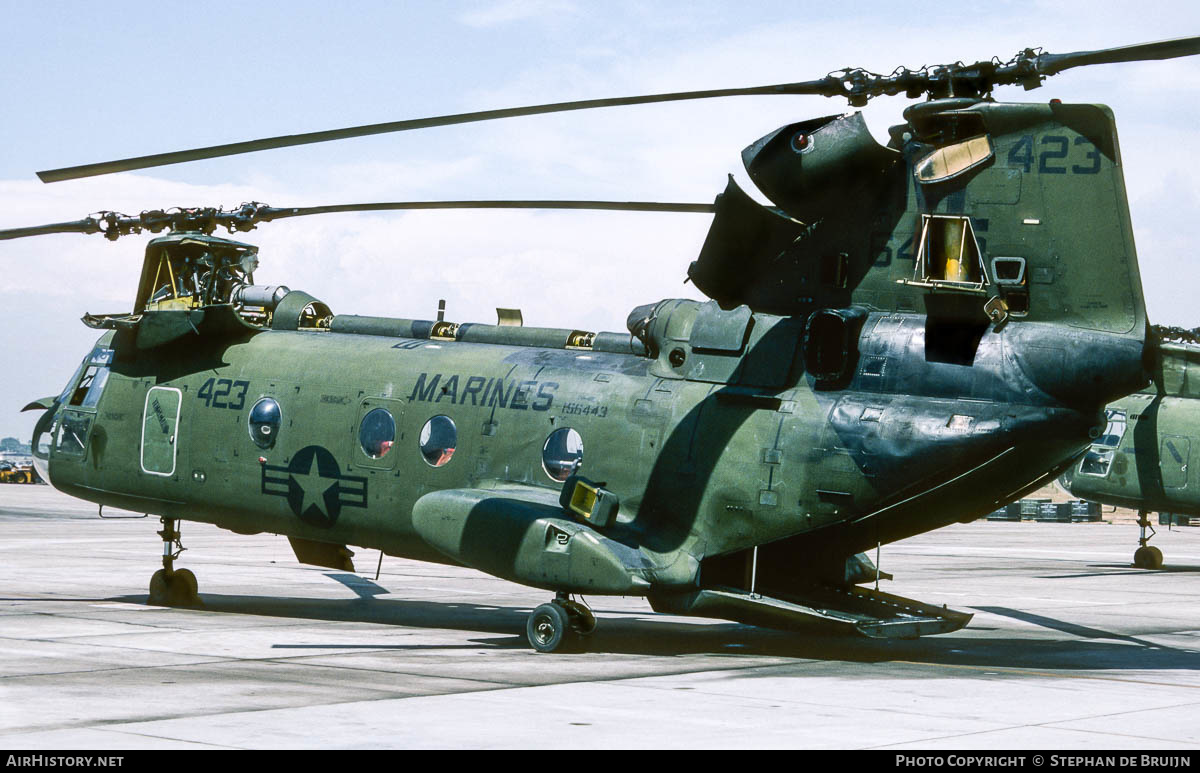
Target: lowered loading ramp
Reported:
point(854, 610)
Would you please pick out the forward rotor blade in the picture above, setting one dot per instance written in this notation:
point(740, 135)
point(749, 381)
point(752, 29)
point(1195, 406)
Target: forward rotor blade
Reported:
point(275, 213)
point(79, 226)
point(244, 217)
point(1050, 64)
point(825, 86)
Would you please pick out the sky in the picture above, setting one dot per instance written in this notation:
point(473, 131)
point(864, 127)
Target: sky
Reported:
point(82, 83)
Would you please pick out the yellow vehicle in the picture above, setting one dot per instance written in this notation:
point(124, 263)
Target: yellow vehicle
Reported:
point(10, 473)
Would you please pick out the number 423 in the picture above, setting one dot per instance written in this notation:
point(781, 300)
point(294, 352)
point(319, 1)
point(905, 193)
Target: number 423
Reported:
point(214, 392)
point(1051, 159)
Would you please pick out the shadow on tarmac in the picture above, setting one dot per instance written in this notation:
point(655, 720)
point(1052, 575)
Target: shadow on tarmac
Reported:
point(1117, 570)
point(1080, 648)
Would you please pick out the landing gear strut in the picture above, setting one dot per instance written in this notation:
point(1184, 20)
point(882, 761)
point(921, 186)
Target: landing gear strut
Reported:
point(560, 625)
point(1146, 556)
point(170, 586)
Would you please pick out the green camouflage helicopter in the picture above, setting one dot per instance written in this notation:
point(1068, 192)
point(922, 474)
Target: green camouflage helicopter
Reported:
point(1143, 458)
point(912, 336)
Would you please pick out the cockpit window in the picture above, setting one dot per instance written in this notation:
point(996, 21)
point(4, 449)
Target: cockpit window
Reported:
point(95, 387)
point(377, 433)
point(265, 418)
point(88, 381)
point(1099, 457)
point(69, 389)
point(85, 391)
point(73, 433)
point(562, 454)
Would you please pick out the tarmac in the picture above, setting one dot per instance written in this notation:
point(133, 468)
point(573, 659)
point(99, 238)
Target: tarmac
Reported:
point(1070, 648)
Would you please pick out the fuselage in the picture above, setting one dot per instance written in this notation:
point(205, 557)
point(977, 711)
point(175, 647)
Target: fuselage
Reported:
point(702, 467)
point(917, 334)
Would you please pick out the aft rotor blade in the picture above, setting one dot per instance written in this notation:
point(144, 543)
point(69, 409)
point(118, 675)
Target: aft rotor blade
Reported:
point(825, 86)
point(1050, 64)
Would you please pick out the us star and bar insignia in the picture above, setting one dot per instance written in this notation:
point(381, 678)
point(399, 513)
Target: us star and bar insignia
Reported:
point(314, 486)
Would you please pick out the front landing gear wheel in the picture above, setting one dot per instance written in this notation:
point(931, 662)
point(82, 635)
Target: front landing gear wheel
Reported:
point(549, 628)
point(184, 588)
point(1148, 557)
point(170, 586)
point(160, 588)
point(177, 589)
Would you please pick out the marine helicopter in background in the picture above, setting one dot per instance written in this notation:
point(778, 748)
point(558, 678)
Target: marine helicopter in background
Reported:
point(914, 334)
point(1143, 458)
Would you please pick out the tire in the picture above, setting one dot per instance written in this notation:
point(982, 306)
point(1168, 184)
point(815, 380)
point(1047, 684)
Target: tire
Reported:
point(548, 628)
point(183, 587)
point(1148, 557)
point(160, 589)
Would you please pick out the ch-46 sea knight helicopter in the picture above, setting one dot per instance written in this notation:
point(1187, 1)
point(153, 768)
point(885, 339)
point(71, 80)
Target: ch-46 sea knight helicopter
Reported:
point(913, 335)
point(1143, 458)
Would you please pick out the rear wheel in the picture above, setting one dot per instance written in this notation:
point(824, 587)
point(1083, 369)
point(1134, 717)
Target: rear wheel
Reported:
point(549, 628)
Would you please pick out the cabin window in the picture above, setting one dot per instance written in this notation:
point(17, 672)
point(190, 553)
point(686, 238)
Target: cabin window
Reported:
point(948, 251)
point(1100, 456)
point(264, 420)
point(562, 454)
point(439, 438)
point(377, 433)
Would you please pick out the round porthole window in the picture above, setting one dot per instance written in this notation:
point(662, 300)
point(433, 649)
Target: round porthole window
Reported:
point(264, 422)
point(562, 453)
point(439, 437)
point(377, 433)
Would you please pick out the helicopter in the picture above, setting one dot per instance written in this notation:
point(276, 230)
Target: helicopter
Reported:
point(1143, 458)
point(910, 336)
